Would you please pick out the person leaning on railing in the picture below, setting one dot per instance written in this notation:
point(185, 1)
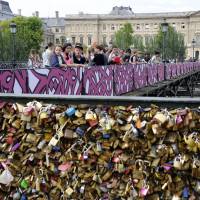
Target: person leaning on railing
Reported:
point(67, 53)
point(57, 58)
point(79, 59)
point(34, 59)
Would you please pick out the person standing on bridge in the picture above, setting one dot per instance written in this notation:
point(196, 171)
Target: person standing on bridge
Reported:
point(78, 58)
point(134, 58)
point(34, 59)
point(67, 53)
point(46, 56)
point(156, 59)
point(99, 57)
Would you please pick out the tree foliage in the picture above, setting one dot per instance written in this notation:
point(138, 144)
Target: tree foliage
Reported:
point(29, 36)
point(124, 36)
point(174, 43)
point(138, 42)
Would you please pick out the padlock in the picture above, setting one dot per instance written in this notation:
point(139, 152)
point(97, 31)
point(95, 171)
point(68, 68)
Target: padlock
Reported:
point(80, 131)
point(16, 196)
point(69, 191)
point(82, 189)
point(70, 112)
point(54, 140)
point(23, 197)
point(106, 136)
point(99, 147)
point(185, 193)
point(144, 191)
point(41, 144)
point(24, 184)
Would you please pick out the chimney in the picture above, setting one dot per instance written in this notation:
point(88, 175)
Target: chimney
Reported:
point(57, 14)
point(19, 12)
point(37, 13)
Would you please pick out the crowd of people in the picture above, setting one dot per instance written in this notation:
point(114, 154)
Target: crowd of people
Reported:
point(97, 55)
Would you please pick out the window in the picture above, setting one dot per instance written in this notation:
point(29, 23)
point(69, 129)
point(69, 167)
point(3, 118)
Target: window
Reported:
point(73, 40)
point(62, 39)
point(57, 30)
point(155, 26)
point(112, 27)
point(174, 25)
point(57, 41)
point(182, 25)
point(89, 40)
point(147, 26)
point(81, 39)
point(104, 27)
point(138, 27)
point(104, 40)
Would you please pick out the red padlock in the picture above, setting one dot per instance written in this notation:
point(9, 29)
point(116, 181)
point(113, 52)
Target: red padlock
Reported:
point(9, 140)
point(93, 123)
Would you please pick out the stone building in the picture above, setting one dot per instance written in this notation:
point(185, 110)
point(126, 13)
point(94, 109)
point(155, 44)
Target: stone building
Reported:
point(90, 28)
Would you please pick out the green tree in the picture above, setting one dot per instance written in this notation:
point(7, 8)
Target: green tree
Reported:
point(174, 43)
point(150, 44)
point(138, 42)
point(124, 36)
point(29, 36)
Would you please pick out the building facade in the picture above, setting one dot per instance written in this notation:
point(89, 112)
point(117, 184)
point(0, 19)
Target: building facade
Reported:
point(90, 28)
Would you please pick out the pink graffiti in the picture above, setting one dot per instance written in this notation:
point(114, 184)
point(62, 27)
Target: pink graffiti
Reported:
point(54, 81)
point(152, 71)
point(103, 80)
point(98, 81)
point(9, 78)
point(59, 81)
point(123, 79)
point(140, 76)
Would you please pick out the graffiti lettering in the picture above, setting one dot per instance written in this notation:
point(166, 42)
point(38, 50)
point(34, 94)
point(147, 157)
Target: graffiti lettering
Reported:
point(98, 81)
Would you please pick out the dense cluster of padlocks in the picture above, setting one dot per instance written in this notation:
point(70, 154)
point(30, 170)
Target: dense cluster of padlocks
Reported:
point(98, 153)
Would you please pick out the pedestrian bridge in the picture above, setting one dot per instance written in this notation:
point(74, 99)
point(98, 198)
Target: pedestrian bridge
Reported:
point(114, 80)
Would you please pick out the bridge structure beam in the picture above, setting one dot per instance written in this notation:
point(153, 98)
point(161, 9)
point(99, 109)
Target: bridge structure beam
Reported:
point(181, 86)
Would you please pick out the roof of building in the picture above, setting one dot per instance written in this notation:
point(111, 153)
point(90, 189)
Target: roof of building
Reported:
point(121, 11)
point(5, 7)
point(54, 21)
point(5, 11)
point(129, 16)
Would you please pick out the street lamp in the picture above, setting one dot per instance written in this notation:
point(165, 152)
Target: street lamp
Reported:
point(1, 47)
point(164, 27)
point(13, 31)
point(193, 44)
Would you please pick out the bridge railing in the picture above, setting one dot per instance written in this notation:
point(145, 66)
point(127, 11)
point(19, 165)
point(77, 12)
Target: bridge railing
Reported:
point(10, 65)
point(111, 80)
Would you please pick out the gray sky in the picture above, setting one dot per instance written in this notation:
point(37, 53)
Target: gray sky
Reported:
point(47, 8)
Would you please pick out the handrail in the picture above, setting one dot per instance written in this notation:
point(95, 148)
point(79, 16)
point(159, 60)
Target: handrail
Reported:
point(102, 100)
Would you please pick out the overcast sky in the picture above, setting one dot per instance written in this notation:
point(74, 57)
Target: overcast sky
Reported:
point(47, 8)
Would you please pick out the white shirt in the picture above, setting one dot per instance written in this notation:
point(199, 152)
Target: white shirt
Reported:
point(46, 56)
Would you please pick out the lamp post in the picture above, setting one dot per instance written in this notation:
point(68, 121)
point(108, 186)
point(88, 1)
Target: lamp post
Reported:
point(193, 45)
point(1, 41)
point(164, 27)
point(13, 31)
